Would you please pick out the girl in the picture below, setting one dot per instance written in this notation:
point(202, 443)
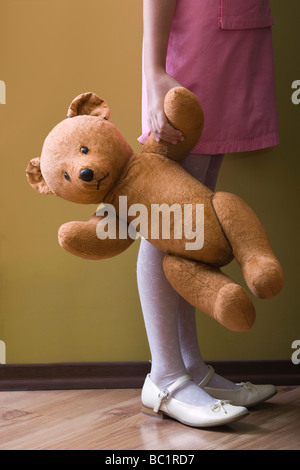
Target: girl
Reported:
point(222, 51)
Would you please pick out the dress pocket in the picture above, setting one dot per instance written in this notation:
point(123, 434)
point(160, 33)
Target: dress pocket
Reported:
point(245, 14)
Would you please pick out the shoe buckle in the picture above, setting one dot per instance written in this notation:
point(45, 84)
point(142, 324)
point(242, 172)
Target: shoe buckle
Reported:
point(164, 395)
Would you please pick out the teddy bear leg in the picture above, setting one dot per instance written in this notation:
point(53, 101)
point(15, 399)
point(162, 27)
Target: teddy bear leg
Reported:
point(250, 243)
point(211, 291)
point(80, 239)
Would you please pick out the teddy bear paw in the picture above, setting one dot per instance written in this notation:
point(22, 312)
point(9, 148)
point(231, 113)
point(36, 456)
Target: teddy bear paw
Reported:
point(264, 276)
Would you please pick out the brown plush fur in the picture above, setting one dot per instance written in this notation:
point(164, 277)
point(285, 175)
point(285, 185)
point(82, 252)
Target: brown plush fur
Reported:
point(231, 228)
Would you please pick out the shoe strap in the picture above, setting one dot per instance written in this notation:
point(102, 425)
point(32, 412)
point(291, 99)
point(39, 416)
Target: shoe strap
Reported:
point(164, 394)
point(208, 377)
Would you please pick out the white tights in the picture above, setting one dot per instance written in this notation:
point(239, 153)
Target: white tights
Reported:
point(169, 319)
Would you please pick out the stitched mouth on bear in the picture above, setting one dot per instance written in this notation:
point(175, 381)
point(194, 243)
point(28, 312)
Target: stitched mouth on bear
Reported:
point(99, 181)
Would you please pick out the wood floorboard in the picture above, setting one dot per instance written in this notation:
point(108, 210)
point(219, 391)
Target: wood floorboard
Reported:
point(112, 420)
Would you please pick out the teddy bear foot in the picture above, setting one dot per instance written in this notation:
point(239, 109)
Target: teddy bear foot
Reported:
point(264, 276)
point(211, 291)
point(233, 308)
point(251, 245)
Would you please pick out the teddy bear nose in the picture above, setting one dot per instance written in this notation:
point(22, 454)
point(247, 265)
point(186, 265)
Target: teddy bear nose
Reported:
point(86, 174)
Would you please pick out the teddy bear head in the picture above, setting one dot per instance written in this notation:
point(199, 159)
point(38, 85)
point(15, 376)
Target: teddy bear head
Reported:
point(82, 156)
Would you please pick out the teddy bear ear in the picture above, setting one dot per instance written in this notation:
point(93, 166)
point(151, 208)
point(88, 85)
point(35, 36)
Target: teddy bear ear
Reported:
point(35, 177)
point(90, 104)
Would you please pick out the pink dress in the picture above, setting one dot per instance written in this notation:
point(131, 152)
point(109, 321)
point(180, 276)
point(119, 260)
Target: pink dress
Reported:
point(222, 51)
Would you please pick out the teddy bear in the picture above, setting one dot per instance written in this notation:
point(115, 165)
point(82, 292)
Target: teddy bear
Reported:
point(85, 159)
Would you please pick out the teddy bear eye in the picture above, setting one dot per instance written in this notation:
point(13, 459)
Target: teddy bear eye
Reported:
point(84, 150)
point(67, 176)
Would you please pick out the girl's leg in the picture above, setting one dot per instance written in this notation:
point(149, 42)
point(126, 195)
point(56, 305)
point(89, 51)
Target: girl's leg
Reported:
point(159, 303)
point(190, 351)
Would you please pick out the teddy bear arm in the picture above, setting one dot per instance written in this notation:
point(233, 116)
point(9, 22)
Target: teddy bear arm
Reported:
point(81, 239)
point(184, 112)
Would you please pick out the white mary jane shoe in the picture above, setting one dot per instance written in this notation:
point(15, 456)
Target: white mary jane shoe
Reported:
point(160, 403)
point(247, 395)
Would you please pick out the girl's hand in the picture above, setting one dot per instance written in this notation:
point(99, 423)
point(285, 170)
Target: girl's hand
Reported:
point(157, 88)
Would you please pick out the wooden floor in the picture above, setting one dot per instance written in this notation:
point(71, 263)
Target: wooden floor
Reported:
point(111, 420)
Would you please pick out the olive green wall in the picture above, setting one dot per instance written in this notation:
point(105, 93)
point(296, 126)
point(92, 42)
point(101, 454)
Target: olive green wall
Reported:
point(59, 308)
